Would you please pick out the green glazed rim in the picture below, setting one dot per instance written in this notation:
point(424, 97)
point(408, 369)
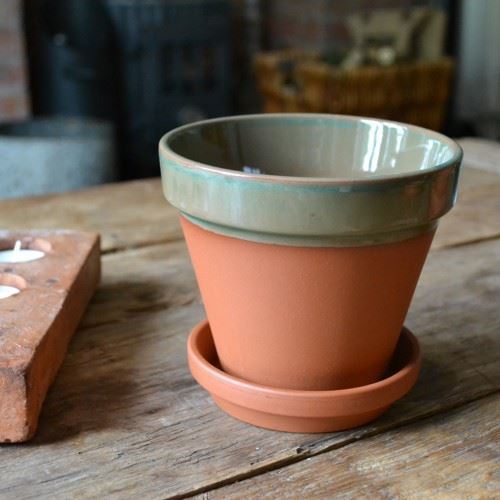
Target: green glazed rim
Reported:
point(309, 211)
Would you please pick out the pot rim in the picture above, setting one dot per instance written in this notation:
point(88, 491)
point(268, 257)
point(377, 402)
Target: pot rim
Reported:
point(310, 211)
point(165, 149)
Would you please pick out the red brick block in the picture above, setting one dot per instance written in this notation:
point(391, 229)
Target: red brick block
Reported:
point(37, 324)
point(13, 77)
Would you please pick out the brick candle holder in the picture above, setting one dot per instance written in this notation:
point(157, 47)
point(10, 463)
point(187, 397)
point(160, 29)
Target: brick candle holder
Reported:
point(37, 323)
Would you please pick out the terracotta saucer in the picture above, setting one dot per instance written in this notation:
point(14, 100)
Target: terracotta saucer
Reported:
point(302, 411)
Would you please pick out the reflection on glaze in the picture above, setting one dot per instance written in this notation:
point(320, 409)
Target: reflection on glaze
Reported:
point(310, 180)
point(326, 147)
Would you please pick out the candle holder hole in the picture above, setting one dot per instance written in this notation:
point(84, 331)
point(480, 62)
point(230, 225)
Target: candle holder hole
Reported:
point(21, 250)
point(27, 243)
point(10, 285)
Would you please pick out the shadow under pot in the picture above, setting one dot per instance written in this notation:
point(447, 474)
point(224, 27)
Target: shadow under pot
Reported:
point(308, 234)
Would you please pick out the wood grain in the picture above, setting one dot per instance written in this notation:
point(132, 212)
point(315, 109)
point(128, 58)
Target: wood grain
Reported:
point(124, 417)
point(456, 457)
point(481, 153)
point(476, 214)
point(127, 214)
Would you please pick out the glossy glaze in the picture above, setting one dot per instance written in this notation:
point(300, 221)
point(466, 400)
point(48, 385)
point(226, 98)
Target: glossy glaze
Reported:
point(324, 180)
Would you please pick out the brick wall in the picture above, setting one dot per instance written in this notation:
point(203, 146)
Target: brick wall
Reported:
point(13, 76)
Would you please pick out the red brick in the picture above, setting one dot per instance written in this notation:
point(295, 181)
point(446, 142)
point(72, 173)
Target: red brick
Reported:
point(13, 78)
point(13, 107)
point(10, 44)
point(10, 14)
point(37, 324)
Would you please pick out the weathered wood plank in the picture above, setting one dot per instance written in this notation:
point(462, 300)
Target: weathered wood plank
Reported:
point(453, 457)
point(481, 153)
point(476, 215)
point(124, 417)
point(146, 280)
point(127, 214)
point(134, 214)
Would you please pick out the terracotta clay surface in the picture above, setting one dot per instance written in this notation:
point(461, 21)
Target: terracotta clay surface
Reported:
point(302, 411)
point(36, 325)
point(305, 318)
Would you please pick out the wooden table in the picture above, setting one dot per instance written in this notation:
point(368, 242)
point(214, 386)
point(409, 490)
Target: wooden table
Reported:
point(125, 419)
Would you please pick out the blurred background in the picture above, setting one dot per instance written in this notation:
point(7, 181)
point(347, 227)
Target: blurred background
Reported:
point(87, 87)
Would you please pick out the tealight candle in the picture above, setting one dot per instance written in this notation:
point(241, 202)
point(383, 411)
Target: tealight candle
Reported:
point(8, 291)
point(18, 254)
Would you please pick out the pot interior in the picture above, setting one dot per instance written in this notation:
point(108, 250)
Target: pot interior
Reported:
point(317, 146)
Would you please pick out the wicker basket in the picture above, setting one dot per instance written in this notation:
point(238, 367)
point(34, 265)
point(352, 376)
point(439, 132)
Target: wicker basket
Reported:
point(415, 92)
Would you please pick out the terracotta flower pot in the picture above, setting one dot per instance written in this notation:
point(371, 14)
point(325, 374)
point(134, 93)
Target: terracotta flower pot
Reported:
point(305, 317)
point(307, 264)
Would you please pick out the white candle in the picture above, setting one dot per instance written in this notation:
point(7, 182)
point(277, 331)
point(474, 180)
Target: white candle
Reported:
point(18, 254)
point(8, 291)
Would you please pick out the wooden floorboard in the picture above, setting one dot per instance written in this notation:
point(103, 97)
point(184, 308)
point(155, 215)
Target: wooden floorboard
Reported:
point(127, 214)
point(125, 418)
point(453, 457)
